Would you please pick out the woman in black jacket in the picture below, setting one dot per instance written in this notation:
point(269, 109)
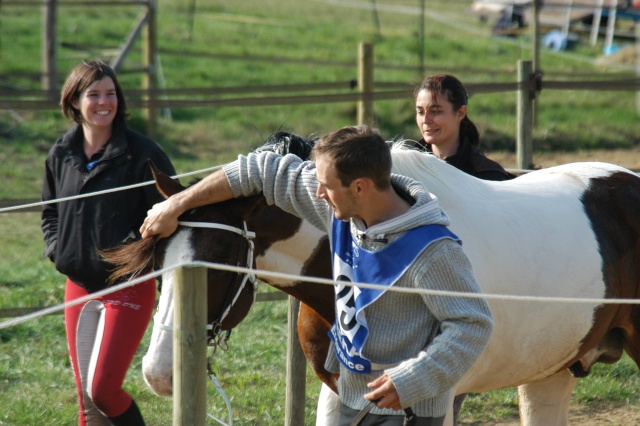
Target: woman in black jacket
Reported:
point(99, 153)
point(446, 130)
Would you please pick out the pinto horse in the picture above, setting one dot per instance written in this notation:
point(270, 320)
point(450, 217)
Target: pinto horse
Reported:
point(569, 231)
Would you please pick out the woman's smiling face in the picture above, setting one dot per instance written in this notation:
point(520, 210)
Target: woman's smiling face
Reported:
point(98, 103)
point(438, 122)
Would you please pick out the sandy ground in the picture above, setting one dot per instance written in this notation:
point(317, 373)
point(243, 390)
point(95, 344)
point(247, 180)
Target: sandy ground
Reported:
point(622, 416)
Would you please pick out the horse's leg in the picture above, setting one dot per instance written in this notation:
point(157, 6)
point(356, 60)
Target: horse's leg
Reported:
point(632, 335)
point(451, 416)
point(328, 407)
point(457, 405)
point(313, 334)
point(546, 402)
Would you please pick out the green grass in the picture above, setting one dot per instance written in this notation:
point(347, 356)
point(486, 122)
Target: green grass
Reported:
point(254, 43)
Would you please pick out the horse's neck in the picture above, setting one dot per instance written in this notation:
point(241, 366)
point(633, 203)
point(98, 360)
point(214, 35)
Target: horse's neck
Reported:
point(305, 252)
point(287, 243)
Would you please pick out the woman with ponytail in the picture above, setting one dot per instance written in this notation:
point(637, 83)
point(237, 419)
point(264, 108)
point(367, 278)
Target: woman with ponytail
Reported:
point(446, 130)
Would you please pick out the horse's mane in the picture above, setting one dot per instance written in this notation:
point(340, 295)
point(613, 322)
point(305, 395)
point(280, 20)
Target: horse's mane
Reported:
point(284, 143)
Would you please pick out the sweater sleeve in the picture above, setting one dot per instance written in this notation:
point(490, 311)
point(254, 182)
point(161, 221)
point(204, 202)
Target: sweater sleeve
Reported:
point(465, 326)
point(288, 182)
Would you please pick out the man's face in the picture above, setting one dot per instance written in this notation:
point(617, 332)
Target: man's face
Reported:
point(340, 198)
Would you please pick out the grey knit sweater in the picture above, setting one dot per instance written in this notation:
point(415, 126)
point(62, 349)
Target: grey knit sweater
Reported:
point(429, 341)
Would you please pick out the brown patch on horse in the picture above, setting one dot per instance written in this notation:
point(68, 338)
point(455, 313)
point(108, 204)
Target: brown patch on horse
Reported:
point(312, 333)
point(314, 323)
point(613, 206)
point(271, 225)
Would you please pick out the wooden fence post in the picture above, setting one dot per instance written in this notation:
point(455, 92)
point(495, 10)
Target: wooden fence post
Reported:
point(49, 65)
point(190, 347)
point(149, 59)
point(296, 370)
point(636, 26)
point(524, 116)
point(365, 83)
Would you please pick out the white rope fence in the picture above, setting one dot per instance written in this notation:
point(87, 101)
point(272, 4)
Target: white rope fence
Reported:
point(317, 280)
point(105, 191)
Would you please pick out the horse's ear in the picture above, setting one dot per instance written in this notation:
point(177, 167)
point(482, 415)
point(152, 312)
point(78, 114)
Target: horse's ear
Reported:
point(164, 183)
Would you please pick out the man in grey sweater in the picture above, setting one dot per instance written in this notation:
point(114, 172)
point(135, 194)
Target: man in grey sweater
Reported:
point(399, 349)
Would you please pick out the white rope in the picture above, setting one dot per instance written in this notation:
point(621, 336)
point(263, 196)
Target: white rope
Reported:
point(216, 383)
point(141, 184)
point(106, 191)
point(138, 185)
point(292, 277)
point(55, 308)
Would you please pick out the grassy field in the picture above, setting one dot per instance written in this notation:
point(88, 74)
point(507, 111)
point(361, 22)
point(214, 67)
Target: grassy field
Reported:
point(252, 44)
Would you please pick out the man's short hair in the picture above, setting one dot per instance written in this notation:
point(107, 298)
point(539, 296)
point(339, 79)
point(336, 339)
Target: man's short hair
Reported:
point(357, 152)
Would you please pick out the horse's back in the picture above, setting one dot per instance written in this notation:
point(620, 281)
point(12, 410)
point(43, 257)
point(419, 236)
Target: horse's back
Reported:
point(541, 234)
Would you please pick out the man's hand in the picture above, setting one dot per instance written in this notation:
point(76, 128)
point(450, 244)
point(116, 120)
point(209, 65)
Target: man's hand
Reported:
point(384, 389)
point(162, 220)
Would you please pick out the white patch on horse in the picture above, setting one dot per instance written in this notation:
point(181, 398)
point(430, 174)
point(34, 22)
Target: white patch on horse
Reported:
point(157, 364)
point(288, 256)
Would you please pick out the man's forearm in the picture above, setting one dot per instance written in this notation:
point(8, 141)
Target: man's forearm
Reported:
point(212, 189)
point(162, 219)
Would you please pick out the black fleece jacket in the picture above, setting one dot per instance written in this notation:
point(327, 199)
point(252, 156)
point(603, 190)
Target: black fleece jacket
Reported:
point(75, 230)
point(471, 160)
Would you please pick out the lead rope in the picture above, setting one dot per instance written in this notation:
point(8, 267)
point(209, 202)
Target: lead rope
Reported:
point(219, 341)
point(410, 418)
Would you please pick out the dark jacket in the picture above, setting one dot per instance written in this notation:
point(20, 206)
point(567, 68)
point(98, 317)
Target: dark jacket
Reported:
point(75, 230)
point(471, 160)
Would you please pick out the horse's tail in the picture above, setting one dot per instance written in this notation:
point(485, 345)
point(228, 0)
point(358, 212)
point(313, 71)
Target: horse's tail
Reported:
point(130, 259)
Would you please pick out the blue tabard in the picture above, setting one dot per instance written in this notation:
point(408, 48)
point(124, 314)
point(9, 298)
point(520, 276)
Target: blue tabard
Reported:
point(352, 263)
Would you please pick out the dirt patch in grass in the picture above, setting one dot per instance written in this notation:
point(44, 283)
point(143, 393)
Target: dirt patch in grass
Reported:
point(585, 416)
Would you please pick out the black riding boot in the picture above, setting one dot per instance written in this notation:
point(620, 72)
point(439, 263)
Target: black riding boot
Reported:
point(131, 417)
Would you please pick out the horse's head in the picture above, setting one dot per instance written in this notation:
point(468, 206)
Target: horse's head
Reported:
point(283, 243)
point(213, 234)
